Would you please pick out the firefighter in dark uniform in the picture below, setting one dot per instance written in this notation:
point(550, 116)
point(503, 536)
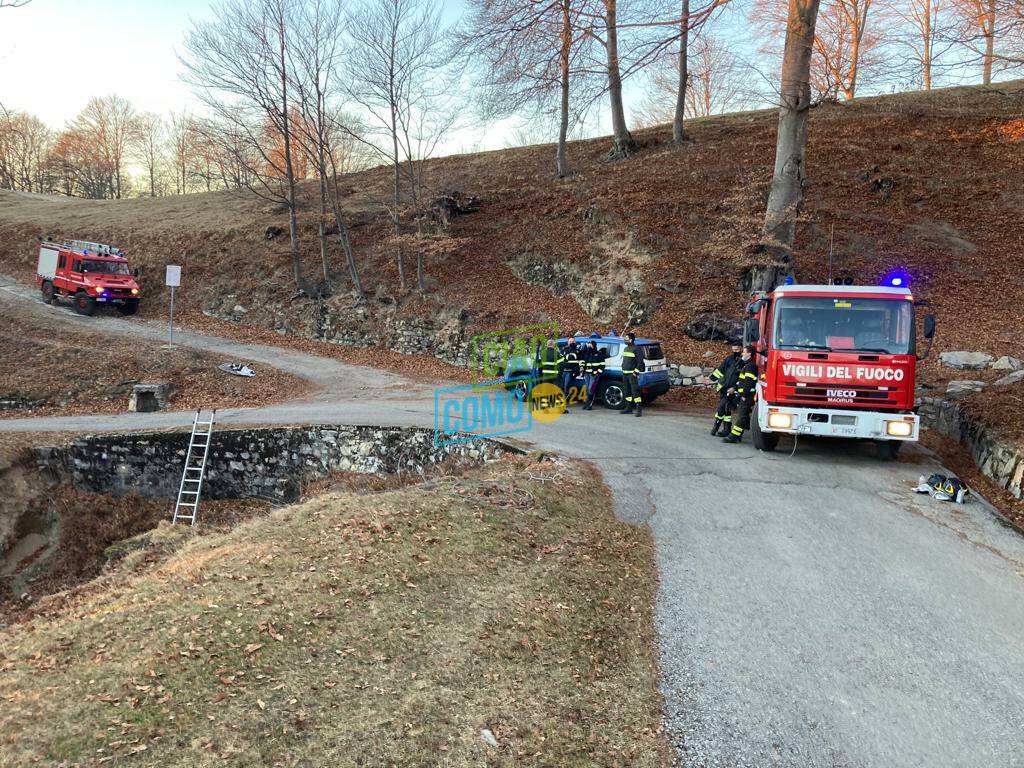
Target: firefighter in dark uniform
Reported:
point(746, 390)
point(569, 366)
point(724, 378)
point(548, 363)
point(632, 367)
point(593, 367)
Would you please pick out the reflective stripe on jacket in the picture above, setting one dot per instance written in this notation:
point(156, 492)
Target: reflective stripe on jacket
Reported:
point(746, 382)
point(632, 359)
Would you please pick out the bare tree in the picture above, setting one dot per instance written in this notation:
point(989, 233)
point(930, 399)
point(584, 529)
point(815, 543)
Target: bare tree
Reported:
point(846, 45)
point(24, 143)
point(919, 28)
point(238, 65)
point(604, 30)
point(318, 25)
point(110, 123)
point(150, 141)
point(526, 55)
point(786, 196)
point(717, 81)
point(391, 70)
point(993, 32)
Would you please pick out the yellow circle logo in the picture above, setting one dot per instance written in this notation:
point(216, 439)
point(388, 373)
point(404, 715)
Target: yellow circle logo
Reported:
point(547, 402)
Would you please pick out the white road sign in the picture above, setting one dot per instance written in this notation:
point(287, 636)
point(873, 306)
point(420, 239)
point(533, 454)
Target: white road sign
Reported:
point(173, 275)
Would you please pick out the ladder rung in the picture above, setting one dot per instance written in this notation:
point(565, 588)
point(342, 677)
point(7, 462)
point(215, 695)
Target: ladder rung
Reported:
point(186, 503)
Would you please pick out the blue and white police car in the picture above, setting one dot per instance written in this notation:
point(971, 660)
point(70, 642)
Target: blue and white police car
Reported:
point(654, 381)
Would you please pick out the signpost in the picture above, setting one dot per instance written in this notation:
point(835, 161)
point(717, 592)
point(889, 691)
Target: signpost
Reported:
point(173, 280)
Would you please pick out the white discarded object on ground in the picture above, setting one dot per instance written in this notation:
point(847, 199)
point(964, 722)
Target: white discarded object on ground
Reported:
point(237, 369)
point(943, 488)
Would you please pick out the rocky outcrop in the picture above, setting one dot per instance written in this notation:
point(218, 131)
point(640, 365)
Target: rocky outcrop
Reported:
point(961, 388)
point(263, 463)
point(970, 361)
point(1007, 363)
point(998, 459)
point(709, 326)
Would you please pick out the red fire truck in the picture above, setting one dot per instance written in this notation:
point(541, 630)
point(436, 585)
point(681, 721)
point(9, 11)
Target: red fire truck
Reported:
point(836, 361)
point(89, 273)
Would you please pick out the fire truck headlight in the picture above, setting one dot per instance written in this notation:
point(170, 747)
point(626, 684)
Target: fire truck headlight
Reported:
point(899, 428)
point(780, 420)
point(98, 289)
point(135, 291)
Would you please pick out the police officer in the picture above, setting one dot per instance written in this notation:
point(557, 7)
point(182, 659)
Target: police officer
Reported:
point(632, 367)
point(746, 389)
point(724, 378)
point(569, 365)
point(593, 362)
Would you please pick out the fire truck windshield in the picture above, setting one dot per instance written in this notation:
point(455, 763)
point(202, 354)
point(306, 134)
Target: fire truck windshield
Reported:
point(844, 324)
point(106, 267)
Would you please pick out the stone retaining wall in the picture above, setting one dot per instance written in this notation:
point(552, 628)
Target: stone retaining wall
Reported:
point(1000, 460)
point(268, 463)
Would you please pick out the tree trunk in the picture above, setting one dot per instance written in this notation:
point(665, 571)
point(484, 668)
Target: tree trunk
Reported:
point(988, 27)
point(623, 145)
point(398, 195)
point(678, 129)
point(289, 172)
point(322, 230)
point(561, 160)
point(346, 244)
point(926, 48)
point(786, 195)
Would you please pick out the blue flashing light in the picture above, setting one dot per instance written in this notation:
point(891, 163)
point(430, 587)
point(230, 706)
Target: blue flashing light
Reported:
point(789, 280)
point(897, 280)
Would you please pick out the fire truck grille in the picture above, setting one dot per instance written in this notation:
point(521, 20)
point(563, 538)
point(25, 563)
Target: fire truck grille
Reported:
point(839, 393)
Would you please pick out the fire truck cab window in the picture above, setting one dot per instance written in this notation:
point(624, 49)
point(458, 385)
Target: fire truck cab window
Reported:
point(880, 326)
point(62, 261)
point(76, 266)
point(106, 267)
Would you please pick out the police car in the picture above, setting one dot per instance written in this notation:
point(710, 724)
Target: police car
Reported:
point(610, 390)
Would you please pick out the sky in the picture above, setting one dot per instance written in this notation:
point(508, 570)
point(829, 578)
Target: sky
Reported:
point(57, 54)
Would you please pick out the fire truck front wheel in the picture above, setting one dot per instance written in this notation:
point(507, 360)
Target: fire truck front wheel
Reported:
point(48, 292)
point(128, 308)
point(763, 441)
point(84, 303)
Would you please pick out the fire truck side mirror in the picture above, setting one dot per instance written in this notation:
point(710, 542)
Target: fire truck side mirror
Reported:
point(929, 326)
point(751, 332)
point(135, 272)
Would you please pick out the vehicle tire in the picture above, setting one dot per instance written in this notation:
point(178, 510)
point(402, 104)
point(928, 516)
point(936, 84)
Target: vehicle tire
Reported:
point(129, 307)
point(520, 388)
point(763, 441)
point(613, 395)
point(84, 303)
point(48, 292)
point(888, 450)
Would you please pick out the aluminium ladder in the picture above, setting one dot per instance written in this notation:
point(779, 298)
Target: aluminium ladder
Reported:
point(186, 509)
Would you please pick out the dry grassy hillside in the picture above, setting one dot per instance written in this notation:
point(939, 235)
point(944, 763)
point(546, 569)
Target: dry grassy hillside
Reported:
point(933, 183)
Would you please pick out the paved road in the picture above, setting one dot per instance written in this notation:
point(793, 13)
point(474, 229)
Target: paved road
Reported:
point(812, 611)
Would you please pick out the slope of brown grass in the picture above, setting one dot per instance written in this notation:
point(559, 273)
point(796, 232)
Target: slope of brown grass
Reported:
point(343, 632)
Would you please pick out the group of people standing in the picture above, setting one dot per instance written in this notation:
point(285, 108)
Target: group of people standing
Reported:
point(735, 380)
point(565, 366)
